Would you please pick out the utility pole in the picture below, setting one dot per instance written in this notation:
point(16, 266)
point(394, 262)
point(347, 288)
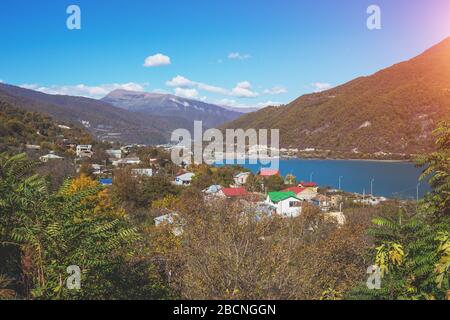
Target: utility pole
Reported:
point(371, 186)
point(417, 195)
point(364, 196)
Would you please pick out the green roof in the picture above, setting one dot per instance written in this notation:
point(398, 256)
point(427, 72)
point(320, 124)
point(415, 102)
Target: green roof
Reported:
point(278, 196)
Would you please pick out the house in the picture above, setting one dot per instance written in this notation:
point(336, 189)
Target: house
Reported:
point(322, 202)
point(142, 172)
point(311, 185)
point(335, 200)
point(241, 178)
point(98, 168)
point(114, 153)
point(372, 201)
point(305, 194)
point(172, 219)
point(84, 151)
point(70, 145)
point(126, 161)
point(49, 157)
point(213, 190)
point(287, 203)
point(184, 179)
point(106, 182)
point(296, 190)
point(264, 172)
point(234, 192)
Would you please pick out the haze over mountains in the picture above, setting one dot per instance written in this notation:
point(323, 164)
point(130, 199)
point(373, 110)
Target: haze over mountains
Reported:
point(169, 105)
point(392, 111)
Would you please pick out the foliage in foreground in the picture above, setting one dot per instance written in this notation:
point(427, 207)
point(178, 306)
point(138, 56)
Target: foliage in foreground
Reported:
point(41, 234)
point(413, 249)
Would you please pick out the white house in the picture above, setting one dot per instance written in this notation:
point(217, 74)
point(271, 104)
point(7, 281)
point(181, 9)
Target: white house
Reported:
point(184, 179)
point(241, 178)
point(50, 156)
point(84, 150)
point(213, 190)
point(372, 201)
point(114, 153)
point(142, 172)
point(287, 203)
point(127, 161)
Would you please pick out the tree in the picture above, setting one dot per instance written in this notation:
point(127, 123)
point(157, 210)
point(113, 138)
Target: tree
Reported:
point(412, 247)
point(44, 233)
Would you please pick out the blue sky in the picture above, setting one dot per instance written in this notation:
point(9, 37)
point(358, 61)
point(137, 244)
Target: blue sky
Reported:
point(235, 52)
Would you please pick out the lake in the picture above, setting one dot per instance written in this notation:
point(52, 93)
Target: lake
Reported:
point(391, 179)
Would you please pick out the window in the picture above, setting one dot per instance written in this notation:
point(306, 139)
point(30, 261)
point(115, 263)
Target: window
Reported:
point(294, 204)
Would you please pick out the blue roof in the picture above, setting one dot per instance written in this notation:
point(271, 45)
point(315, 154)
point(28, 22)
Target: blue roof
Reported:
point(106, 182)
point(213, 189)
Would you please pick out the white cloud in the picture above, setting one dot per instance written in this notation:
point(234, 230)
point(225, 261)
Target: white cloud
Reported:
point(321, 86)
point(242, 89)
point(180, 81)
point(238, 56)
point(276, 90)
point(235, 104)
point(1, 81)
point(157, 60)
point(186, 93)
point(85, 90)
point(212, 89)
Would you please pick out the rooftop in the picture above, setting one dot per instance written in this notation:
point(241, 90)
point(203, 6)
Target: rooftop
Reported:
point(277, 196)
point(234, 192)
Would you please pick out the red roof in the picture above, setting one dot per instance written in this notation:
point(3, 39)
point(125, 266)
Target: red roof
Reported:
point(268, 172)
point(296, 190)
point(234, 192)
point(307, 184)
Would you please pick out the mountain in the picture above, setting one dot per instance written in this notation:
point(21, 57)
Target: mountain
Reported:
point(100, 118)
point(392, 111)
point(168, 105)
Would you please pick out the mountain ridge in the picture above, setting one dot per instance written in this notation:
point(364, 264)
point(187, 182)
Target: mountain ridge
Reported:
point(391, 111)
point(160, 104)
point(101, 119)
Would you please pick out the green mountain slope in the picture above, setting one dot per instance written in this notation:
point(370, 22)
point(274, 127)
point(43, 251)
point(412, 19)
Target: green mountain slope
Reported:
point(391, 111)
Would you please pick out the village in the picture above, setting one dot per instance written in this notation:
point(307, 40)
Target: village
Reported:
point(268, 193)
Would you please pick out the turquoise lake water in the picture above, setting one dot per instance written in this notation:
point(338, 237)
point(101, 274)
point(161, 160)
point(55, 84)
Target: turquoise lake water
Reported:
point(391, 179)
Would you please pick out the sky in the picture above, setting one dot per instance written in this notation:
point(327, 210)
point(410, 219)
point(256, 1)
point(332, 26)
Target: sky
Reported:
point(241, 53)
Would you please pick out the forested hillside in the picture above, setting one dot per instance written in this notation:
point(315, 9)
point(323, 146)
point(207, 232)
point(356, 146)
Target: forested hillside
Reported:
point(19, 127)
point(393, 111)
